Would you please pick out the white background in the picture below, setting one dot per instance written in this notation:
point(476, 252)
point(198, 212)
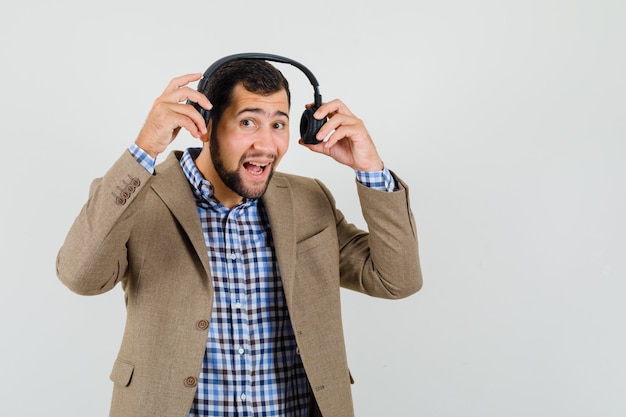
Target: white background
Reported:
point(506, 118)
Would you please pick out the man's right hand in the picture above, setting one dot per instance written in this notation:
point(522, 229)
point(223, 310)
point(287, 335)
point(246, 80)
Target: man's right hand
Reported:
point(170, 112)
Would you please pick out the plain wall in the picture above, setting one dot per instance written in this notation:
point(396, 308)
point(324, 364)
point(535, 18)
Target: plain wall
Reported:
point(507, 119)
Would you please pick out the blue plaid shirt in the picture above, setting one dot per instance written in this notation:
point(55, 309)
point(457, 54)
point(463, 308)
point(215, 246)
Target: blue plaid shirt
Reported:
point(251, 365)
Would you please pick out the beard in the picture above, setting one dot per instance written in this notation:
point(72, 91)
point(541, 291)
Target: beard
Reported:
point(232, 179)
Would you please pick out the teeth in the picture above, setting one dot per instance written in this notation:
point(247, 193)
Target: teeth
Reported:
point(257, 164)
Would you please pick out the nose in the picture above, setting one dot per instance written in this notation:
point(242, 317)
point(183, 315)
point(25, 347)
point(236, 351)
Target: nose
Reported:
point(265, 139)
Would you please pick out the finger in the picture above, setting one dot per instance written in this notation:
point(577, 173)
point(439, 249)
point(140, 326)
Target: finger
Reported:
point(181, 81)
point(184, 94)
point(201, 99)
point(186, 117)
point(194, 128)
point(338, 134)
point(333, 123)
point(176, 101)
point(190, 113)
point(332, 107)
point(176, 115)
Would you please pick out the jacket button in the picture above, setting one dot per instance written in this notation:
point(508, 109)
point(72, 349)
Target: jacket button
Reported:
point(202, 324)
point(190, 381)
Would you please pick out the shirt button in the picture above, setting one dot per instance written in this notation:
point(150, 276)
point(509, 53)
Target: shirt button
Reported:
point(233, 256)
point(243, 397)
point(241, 351)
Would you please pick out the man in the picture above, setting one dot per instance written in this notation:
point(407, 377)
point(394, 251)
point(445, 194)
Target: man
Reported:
point(231, 270)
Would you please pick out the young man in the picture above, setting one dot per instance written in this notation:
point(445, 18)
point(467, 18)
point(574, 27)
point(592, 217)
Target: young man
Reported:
point(231, 270)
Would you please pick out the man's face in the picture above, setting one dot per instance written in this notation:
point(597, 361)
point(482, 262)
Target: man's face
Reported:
point(249, 141)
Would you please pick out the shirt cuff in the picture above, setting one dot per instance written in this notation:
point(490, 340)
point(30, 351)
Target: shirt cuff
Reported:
point(142, 158)
point(377, 180)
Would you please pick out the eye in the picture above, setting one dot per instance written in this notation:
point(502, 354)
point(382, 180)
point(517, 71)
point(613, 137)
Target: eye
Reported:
point(247, 123)
point(279, 125)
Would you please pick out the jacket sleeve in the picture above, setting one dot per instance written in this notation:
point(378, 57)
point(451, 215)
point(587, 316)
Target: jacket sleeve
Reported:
point(92, 259)
point(384, 261)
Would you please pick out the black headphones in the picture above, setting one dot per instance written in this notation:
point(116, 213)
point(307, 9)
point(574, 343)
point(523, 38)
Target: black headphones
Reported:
point(309, 125)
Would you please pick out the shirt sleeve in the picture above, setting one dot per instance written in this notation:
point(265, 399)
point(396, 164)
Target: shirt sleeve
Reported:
point(142, 158)
point(377, 180)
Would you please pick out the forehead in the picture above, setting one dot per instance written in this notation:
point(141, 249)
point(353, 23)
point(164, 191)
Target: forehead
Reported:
point(242, 99)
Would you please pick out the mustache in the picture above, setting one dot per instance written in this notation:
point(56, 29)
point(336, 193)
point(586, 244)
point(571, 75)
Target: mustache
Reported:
point(254, 155)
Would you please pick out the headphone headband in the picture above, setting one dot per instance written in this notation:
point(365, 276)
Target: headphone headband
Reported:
point(267, 57)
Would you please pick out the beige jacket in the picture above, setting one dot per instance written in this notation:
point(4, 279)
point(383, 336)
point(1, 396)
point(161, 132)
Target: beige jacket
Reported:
point(144, 231)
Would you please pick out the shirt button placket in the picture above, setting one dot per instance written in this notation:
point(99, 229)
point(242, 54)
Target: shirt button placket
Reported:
point(237, 278)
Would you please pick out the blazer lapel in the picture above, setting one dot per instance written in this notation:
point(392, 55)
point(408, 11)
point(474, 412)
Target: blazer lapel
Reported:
point(172, 187)
point(279, 206)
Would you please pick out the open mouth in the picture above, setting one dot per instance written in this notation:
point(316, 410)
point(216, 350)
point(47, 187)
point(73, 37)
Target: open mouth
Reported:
point(255, 168)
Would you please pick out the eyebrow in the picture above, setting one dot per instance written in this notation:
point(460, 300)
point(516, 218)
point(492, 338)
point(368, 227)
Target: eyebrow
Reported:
point(261, 111)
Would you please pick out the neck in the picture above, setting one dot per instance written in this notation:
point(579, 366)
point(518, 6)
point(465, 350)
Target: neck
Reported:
point(227, 197)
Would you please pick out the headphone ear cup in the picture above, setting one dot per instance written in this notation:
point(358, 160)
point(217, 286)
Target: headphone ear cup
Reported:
point(206, 114)
point(309, 126)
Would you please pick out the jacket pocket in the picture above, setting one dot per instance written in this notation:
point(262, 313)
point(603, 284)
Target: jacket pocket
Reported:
point(319, 238)
point(122, 372)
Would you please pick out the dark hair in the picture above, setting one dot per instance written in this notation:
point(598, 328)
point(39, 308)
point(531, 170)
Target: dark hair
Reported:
point(256, 76)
